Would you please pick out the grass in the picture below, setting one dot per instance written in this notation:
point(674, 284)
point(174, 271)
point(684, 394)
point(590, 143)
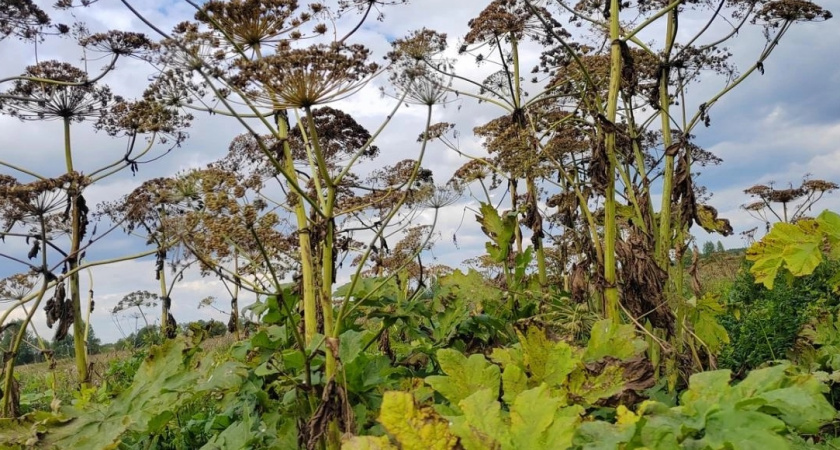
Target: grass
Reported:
point(38, 382)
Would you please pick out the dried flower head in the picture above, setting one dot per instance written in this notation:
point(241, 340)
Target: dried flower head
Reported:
point(134, 118)
point(475, 169)
point(819, 185)
point(339, 137)
point(29, 203)
point(436, 131)
point(55, 90)
point(364, 6)
point(419, 45)
point(301, 78)
point(785, 195)
point(22, 18)
point(775, 13)
point(18, 286)
point(416, 71)
point(510, 143)
point(122, 43)
point(758, 190)
point(437, 196)
point(755, 206)
point(420, 85)
point(250, 24)
point(189, 50)
point(173, 88)
point(511, 20)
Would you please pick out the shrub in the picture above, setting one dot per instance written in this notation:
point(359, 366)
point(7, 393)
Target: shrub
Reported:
point(765, 323)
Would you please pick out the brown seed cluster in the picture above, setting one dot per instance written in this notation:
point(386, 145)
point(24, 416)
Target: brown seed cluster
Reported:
point(305, 77)
point(55, 90)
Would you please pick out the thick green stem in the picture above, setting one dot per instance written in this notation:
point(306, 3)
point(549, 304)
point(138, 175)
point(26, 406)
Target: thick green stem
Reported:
point(74, 192)
point(664, 242)
point(234, 302)
point(164, 314)
point(542, 274)
point(68, 153)
point(514, 205)
point(307, 268)
point(611, 306)
point(327, 266)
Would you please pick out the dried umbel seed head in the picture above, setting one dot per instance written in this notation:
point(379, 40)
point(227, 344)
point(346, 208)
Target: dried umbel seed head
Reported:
point(476, 169)
point(173, 89)
point(775, 13)
point(759, 190)
point(436, 131)
point(755, 206)
point(421, 86)
point(18, 286)
point(55, 90)
point(22, 18)
point(132, 118)
point(511, 19)
point(419, 45)
point(339, 137)
point(122, 43)
point(250, 24)
point(510, 143)
point(415, 70)
point(28, 203)
point(819, 185)
point(785, 195)
point(364, 6)
point(436, 196)
point(301, 78)
point(189, 50)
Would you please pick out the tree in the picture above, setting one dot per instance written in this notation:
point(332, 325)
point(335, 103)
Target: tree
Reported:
point(708, 248)
point(719, 247)
point(26, 353)
point(64, 348)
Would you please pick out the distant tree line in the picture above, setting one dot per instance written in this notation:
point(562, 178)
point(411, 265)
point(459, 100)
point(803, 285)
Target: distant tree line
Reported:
point(30, 349)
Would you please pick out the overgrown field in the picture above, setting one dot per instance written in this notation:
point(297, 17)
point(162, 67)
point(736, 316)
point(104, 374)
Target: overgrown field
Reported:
point(586, 316)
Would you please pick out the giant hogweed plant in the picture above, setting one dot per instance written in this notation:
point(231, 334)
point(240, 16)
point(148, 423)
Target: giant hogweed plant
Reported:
point(613, 126)
point(48, 210)
point(610, 90)
point(255, 63)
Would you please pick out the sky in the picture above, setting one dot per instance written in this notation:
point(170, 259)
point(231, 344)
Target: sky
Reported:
point(775, 127)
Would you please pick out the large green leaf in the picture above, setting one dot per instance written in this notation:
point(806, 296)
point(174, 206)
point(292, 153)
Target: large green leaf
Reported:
point(499, 229)
point(350, 344)
point(829, 224)
point(472, 289)
point(412, 427)
point(795, 247)
point(548, 362)
point(743, 430)
point(464, 376)
point(165, 381)
point(482, 425)
point(514, 381)
point(703, 316)
point(706, 391)
point(537, 420)
point(603, 436)
point(611, 339)
point(368, 443)
point(370, 288)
